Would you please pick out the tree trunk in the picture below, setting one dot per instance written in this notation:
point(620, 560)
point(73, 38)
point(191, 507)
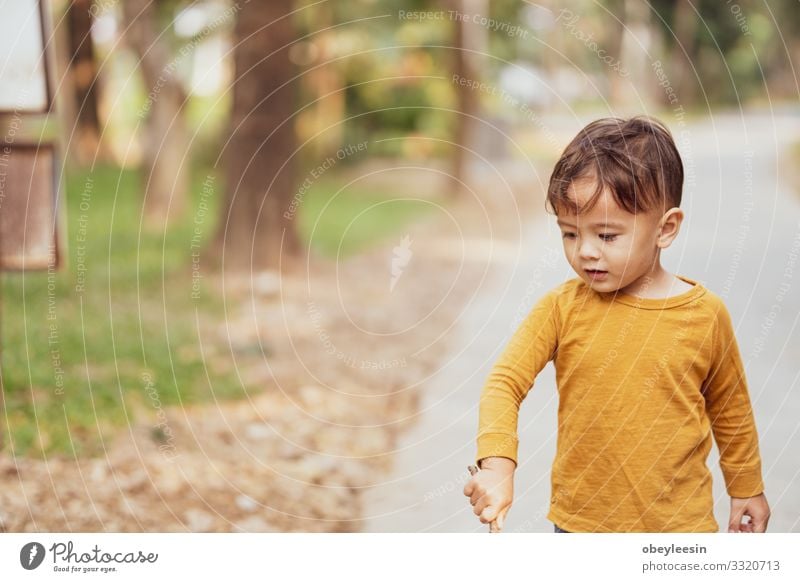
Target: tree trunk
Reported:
point(637, 43)
point(684, 53)
point(258, 223)
point(467, 43)
point(85, 134)
point(326, 85)
point(166, 138)
point(615, 21)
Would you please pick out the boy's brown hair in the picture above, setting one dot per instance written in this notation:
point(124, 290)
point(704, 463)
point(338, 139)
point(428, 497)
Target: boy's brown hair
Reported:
point(636, 159)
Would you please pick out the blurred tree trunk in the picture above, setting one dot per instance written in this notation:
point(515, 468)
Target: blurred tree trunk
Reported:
point(468, 41)
point(639, 90)
point(84, 131)
point(782, 61)
point(321, 122)
point(258, 227)
point(618, 87)
point(166, 138)
point(684, 53)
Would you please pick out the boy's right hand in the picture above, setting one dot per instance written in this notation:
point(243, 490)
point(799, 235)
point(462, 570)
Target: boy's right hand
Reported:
point(491, 491)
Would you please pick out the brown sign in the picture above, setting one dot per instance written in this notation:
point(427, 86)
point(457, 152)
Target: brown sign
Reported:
point(29, 169)
point(28, 208)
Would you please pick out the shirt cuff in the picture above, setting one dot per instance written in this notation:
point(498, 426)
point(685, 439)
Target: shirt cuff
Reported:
point(743, 482)
point(495, 444)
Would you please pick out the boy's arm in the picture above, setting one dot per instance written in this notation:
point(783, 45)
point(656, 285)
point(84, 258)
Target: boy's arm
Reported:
point(730, 413)
point(533, 344)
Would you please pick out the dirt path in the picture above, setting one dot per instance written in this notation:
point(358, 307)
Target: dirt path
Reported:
point(333, 362)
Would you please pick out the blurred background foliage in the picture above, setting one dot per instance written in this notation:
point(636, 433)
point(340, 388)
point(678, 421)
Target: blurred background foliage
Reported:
point(153, 100)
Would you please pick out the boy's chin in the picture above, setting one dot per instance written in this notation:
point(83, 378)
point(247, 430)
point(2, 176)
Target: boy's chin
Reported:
point(607, 285)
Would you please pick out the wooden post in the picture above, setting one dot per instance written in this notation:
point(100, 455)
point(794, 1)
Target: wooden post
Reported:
point(29, 178)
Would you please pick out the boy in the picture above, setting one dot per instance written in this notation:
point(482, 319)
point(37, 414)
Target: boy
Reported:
point(647, 365)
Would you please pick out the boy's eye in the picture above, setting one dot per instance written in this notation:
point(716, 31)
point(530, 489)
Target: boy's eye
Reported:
point(569, 235)
point(608, 237)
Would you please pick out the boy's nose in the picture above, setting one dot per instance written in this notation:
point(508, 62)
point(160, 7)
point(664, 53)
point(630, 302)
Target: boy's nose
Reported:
point(589, 251)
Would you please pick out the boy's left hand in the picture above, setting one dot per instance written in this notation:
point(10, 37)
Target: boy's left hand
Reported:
point(756, 508)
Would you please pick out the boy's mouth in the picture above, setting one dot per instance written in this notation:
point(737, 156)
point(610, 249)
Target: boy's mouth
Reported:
point(596, 274)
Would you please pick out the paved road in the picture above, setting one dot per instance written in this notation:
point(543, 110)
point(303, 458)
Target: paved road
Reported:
point(740, 238)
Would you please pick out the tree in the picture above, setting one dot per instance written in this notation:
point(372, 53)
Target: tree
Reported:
point(615, 24)
point(468, 42)
point(258, 230)
point(166, 137)
point(684, 52)
point(85, 139)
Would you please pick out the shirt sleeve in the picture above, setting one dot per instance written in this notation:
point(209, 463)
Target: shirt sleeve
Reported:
point(728, 408)
point(533, 344)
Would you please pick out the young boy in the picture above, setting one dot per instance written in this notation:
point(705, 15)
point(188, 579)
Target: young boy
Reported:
point(647, 364)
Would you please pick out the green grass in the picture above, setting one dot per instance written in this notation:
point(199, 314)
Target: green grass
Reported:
point(135, 318)
point(108, 336)
point(342, 223)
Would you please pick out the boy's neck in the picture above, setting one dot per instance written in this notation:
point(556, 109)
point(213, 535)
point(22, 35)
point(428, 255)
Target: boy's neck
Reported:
point(656, 284)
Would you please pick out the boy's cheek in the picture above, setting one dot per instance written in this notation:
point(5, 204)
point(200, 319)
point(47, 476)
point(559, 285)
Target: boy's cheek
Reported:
point(619, 257)
point(574, 262)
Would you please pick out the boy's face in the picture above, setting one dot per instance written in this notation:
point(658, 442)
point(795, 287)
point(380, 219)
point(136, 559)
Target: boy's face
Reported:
point(608, 247)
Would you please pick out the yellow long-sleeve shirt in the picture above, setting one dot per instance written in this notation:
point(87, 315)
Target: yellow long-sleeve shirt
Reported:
point(642, 384)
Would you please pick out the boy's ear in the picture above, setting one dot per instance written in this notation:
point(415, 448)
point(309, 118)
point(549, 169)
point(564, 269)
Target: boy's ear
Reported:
point(670, 224)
